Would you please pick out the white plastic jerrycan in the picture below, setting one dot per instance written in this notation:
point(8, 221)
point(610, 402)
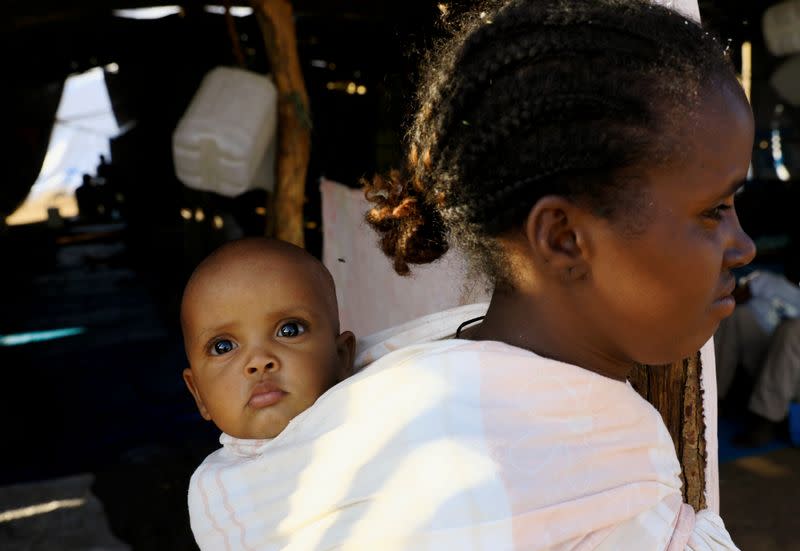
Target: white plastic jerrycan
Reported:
point(226, 140)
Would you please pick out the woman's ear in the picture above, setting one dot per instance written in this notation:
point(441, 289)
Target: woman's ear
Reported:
point(188, 378)
point(558, 238)
point(346, 353)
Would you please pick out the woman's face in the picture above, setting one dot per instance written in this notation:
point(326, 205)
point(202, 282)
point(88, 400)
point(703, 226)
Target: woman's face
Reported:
point(659, 295)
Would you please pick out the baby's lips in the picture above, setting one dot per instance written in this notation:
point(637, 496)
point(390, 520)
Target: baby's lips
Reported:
point(265, 394)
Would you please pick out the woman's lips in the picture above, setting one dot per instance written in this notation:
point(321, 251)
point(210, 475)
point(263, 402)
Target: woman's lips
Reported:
point(265, 395)
point(726, 302)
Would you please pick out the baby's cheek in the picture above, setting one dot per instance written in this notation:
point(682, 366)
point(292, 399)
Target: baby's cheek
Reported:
point(232, 389)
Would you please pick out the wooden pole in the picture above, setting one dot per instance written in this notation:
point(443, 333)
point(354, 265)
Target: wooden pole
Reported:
point(294, 121)
point(236, 46)
point(675, 391)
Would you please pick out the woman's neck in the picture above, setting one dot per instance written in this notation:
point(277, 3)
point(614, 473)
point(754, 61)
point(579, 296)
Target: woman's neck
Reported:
point(548, 329)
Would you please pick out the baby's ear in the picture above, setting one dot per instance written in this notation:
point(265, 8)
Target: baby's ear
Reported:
point(188, 378)
point(346, 353)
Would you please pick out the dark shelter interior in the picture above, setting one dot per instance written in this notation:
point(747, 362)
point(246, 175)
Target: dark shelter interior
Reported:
point(89, 335)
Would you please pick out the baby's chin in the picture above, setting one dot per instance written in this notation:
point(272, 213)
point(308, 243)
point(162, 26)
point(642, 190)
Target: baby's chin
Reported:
point(254, 433)
point(265, 433)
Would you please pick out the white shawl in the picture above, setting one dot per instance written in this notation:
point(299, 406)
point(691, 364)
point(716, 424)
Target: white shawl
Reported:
point(453, 444)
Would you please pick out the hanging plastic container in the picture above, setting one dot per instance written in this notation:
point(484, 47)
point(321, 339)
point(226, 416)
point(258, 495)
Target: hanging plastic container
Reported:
point(781, 26)
point(226, 140)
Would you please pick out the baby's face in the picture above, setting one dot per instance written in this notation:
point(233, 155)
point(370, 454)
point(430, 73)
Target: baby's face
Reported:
point(262, 341)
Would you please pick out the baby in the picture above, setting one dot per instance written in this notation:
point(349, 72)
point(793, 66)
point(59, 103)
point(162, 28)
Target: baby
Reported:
point(261, 330)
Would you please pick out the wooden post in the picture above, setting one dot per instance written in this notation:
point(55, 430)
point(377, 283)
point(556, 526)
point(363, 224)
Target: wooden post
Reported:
point(236, 45)
point(294, 122)
point(675, 391)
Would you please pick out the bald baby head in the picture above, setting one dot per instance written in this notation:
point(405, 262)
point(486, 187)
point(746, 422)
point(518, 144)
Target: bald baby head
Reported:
point(260, 257)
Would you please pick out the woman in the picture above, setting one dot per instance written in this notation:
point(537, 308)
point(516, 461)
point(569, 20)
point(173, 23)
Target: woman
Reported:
point(585, 155)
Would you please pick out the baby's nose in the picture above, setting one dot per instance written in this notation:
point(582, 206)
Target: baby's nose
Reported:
point(261, 362)
point(253, 369)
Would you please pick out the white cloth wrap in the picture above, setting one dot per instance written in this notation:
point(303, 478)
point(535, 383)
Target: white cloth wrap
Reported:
point(453, 444)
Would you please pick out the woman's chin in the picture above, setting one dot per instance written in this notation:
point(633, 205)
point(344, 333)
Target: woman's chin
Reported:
point(676, 354)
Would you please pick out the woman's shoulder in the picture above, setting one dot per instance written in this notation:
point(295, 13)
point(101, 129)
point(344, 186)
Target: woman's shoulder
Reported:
point(509, 375)
point(431, 329)
point(497, 358)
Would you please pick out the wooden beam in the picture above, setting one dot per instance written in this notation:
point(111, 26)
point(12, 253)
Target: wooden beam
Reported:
point(233, 34)
point(294, 121)
point(675, 391)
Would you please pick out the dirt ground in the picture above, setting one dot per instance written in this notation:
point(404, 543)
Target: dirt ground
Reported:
point(760, 500)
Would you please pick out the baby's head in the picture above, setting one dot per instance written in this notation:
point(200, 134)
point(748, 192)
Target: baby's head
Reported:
point(261, 330)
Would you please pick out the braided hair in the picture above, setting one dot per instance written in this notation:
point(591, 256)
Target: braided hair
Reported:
point(540, 97)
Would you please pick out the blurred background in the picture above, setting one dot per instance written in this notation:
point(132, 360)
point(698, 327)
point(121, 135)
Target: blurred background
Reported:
point(98, 235)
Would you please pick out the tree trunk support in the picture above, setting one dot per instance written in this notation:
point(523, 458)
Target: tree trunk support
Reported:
point(676, 393)
point(294, 122)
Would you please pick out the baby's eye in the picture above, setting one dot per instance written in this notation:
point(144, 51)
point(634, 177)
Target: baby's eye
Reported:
point(222, 346)
point(291, 329)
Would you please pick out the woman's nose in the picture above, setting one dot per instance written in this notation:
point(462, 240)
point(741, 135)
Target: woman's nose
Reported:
point(742, 250)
